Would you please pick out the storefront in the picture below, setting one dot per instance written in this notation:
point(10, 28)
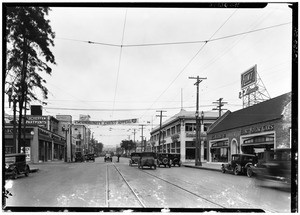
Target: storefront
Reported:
point(252, 130)
point(40, 144)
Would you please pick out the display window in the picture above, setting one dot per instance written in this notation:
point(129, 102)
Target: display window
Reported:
point(219, 151)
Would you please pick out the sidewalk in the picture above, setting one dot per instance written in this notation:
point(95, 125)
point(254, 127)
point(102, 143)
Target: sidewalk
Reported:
point(34, 167)
point(206, 166)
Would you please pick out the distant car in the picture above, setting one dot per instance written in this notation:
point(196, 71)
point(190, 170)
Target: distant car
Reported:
point(134, 158)
point(90, 157)
point(164, 159)
point(175, 158)
point(147, 159)
point(15, 164)
point(79, 157)
point(240, 164)
point(274, 169)
point(108, 157)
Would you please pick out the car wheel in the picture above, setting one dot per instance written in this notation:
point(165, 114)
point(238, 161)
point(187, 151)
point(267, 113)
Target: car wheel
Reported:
point(27, 170)
point(14, 174)
point(249, 172)
point(236, 170)
point(154, 166)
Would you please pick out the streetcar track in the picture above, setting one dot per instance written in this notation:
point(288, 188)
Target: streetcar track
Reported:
point(195, 194)
point(128, 185)
point(175, 185)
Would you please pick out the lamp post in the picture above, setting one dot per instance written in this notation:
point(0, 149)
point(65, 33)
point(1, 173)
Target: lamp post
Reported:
point(198, 145)
point(12, 97)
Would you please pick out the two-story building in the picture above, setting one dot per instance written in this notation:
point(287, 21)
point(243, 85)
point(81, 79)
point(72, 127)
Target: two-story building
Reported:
point(178, 134)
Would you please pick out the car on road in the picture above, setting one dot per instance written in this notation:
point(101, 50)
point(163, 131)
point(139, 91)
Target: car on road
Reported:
point(134, 158)
point(108, 157)
point(164, 159)
point(274, 169)
point(79, 157)
point(240, 164)
point(15, 164)
point(90, 157)
point(147, 159)
point(175, 158)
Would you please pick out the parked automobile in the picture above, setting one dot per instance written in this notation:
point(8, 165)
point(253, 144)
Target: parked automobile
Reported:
point(79, 157)
point(108, 157)
point(175, 158)
point(15, 164)
point(274, 169)
point(240, 164)
point(164, 159)
point(90, 157)
point(134, 158)
point(147, 159)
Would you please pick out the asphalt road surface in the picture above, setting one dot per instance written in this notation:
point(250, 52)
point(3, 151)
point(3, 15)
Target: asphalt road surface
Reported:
point(118, 185)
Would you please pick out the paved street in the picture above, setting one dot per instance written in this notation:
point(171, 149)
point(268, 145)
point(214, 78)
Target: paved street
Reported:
point(100, 184)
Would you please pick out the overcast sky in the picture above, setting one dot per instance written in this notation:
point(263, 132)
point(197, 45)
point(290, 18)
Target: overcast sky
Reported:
point(104, 75)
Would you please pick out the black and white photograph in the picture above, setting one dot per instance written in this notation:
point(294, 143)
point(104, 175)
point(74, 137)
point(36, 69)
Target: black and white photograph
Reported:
point(149, 107)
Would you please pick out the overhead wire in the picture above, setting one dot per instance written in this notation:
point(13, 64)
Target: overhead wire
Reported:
point(120, 58)
point(177, 43)
point(190, 61)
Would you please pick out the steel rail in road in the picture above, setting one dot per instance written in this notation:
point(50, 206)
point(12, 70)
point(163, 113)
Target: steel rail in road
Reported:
point(195, 194)
point(107, 189)
point(134, 193)
point(188, 191)
point(130, 188)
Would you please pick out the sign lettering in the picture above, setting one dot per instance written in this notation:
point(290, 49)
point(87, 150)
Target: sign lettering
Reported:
point(253, 130)
point(248, 77)
point(112, 122)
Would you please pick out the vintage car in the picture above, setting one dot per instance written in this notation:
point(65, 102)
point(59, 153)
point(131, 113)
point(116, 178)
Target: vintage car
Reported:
point(79, 157)
point(164, 159)
point(175, 158)
point(274, 169)
point(147, 159)
point(240, 164)
point(15, 164)
point(134, 158)
point(90, 157)
point(108, 157)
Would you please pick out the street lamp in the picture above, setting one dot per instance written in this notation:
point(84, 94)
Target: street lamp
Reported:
point(12, 97)
point(198, 144)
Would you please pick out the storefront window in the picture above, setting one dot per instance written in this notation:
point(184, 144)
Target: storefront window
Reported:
point(219, 151)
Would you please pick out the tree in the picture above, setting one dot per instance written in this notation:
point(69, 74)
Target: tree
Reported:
point(127, 145)
point(28, 38)
point(98, 147)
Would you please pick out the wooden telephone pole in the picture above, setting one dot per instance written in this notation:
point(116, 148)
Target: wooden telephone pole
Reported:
point(219, 107)
point(161, 111)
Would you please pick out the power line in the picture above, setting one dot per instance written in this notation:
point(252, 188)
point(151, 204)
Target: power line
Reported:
point(178, 43)
point(108, 109)
point(120, 58)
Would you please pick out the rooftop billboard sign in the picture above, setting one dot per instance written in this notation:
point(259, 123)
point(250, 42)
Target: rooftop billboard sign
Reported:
point(249, 77)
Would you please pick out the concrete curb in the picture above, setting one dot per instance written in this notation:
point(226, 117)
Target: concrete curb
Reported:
point(201, 167)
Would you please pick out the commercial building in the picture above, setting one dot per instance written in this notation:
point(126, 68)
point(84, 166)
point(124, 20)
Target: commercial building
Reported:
point(263, 126)
point(46, 138)
point(178, 134)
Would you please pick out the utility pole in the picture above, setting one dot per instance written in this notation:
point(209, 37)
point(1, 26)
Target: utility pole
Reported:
point(143, 136)
point(198, 144)
point(161, 111)
point(219, 107)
